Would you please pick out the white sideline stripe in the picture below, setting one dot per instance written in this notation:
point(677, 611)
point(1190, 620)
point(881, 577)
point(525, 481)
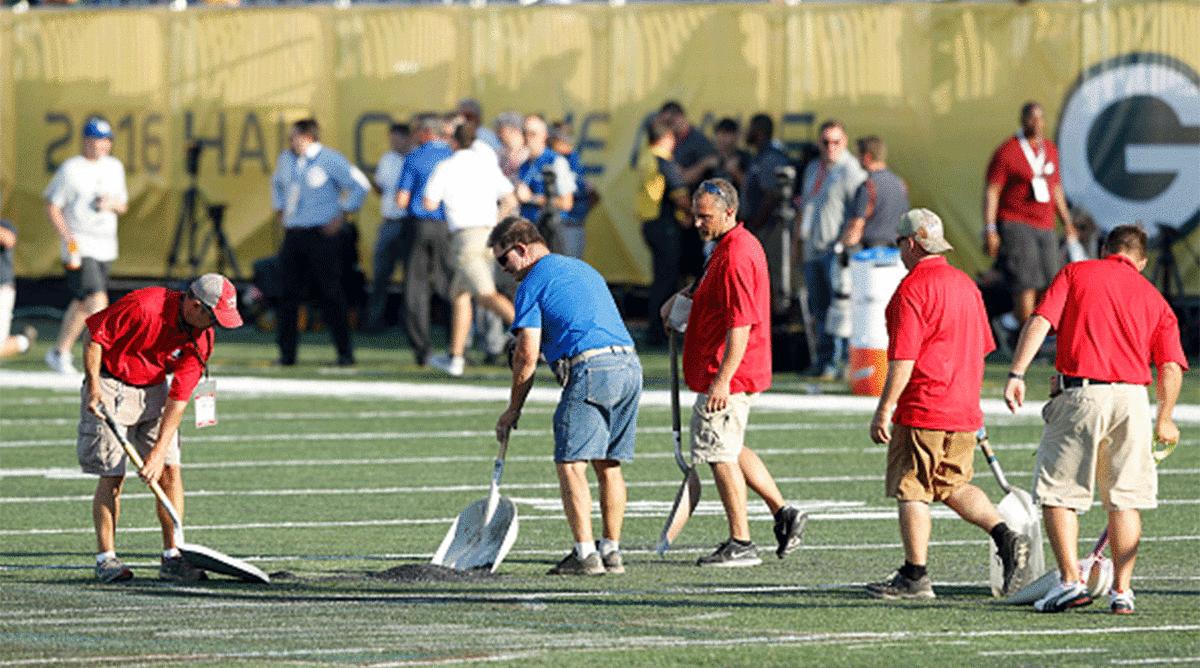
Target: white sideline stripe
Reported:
point(1043, 652)
point(490, 434)
point(1192, 660)
point(230, 416)
point(832, 403)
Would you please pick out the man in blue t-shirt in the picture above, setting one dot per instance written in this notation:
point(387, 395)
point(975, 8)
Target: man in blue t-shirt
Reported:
point(425, 269)
point(564, 308)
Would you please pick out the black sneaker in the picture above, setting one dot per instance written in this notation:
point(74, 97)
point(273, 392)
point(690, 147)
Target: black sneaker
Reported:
point(731, 555)
point(897, 586)
point(789, 530)
point(573, 565)
point(177, 569)
point(1014, 555)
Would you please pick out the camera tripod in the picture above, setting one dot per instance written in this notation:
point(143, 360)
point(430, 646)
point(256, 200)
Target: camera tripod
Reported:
point(1166, 274)
point(194, 208)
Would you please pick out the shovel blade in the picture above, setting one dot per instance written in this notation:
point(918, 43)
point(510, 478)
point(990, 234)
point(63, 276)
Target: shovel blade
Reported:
point(1019, 513)
point(472, 542)
point(685, 504)
point(208, 559)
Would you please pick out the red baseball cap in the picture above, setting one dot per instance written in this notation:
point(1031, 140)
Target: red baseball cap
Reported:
point(217, 293)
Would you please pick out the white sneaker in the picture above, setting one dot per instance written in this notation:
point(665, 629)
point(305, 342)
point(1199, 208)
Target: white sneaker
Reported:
point(60, 362)
point(451, 365)
point(1064, 596)
point(1121, 602)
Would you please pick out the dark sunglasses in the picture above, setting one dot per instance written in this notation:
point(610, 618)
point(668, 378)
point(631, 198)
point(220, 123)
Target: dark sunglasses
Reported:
point(502, 259)
point(832, 142)
point(900, 241)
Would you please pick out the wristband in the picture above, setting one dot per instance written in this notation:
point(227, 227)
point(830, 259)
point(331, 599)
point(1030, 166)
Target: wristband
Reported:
point(1013, 375)
point(991, 228)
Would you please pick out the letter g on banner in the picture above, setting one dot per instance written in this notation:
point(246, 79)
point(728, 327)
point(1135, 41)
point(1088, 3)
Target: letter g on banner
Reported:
point(1129, 142)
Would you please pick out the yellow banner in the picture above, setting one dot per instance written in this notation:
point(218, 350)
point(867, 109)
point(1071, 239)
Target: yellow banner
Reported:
point(941, 83)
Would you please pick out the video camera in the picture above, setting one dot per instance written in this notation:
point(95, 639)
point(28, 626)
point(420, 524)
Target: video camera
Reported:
point(785, 181)
point(550, 181)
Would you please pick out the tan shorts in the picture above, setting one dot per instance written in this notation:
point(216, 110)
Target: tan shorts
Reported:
point(139, 410)
point(927, 464)
point(1100, 434)
point(473, 264)
point(719, 436)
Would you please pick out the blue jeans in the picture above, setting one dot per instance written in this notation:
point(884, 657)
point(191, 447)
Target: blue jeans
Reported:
point(818, 278)
point(391, 247)
point(597, 415)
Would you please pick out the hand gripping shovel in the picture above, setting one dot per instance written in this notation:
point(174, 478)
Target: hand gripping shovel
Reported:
point(483, 533)
point(689, 490)
point(201, 557)
point(1019, 513)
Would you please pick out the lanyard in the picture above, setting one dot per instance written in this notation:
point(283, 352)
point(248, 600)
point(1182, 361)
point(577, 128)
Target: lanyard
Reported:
point(1036, 160)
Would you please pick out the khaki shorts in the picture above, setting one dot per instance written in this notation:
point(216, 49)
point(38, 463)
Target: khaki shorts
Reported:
point(137, 409)
point(927, 464)
point(719, 436)
point(1100, 434)
point(473, 264)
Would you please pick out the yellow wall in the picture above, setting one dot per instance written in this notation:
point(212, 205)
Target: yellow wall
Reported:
point(942, 83)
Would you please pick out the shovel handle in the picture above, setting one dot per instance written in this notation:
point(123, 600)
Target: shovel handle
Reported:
point(981, 437)
point(676, 422)
point(138, 462)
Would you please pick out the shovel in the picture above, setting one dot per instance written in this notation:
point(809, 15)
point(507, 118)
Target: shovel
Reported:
point(1018, 512)
point(689, 490)
point(483, 533)
point(201, 557)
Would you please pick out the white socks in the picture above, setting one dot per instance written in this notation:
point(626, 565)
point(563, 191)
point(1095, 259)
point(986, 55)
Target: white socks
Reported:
point(607, 547)
point(102, 557)
point(171, 553)
point(584, 550)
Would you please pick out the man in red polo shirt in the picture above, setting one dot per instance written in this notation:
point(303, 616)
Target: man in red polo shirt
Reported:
point(938, 336)
point(1024, 188)
point(1112, 324)
point(727, 362)
point(134, 344)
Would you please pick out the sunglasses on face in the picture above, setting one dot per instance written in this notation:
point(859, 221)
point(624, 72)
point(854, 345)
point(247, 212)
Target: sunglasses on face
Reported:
point(502, 259)
point(831, 142)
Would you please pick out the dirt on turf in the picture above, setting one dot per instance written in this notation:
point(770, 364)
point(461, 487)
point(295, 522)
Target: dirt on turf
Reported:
point(431, 573)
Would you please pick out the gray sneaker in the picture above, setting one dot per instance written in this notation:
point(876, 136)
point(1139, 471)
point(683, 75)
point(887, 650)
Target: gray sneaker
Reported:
point(613, 563)
point(177, 569)
point(731, 555)
point(112, 570)
point(60, 362)
point(897, 586)
point(1014, 555)
point(573, 565)
point(789, 530)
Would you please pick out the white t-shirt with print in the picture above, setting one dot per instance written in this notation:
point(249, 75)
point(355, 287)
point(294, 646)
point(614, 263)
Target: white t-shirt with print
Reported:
point(75, 187)
point(469, 183)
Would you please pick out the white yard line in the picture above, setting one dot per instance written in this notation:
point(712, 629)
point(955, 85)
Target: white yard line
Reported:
point(831, 403)
point(1190, 660)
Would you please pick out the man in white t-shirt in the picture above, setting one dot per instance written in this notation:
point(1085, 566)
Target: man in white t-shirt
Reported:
point(392, 243)
point(83, 201)
point(476, 194)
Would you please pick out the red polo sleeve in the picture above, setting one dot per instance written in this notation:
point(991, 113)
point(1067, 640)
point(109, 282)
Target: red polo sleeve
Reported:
point(740, 306)
point(190, 367)
point(1165, 345)
point(906, 327)
point(1055, 299)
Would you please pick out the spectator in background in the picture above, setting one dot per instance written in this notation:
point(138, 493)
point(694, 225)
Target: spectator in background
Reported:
point(469, 184)
point(826, 200)
point(692, 148)
point(513, 151)
point(532, 189)
point(574, 239)
point(314, 190)
point(729, 162)
point(472, 112)
point(1024, 189)
point(392, 243)
point(425, 269)
point(879, 203)
point(663, 208)
point(20, 343)
point(83, 201)
point(760, 190)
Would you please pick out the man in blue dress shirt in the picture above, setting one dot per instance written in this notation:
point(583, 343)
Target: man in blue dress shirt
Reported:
point(313, 191)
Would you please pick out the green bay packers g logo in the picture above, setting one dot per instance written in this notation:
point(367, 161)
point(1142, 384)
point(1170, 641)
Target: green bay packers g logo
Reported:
point(1129, 142)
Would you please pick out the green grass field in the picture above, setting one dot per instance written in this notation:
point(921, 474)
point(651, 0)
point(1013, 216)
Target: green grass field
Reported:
point(336, 490)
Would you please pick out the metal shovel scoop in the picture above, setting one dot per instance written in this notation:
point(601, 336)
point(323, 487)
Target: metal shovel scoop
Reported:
point(1022, 516)
point(204, 558)
point(689, 490)
point(483, 533)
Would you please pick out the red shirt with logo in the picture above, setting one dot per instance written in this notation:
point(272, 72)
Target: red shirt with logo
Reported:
point(144, 338)
point(1011, 170)
point(734, 292)
point(1111, 322)
point(936, 318)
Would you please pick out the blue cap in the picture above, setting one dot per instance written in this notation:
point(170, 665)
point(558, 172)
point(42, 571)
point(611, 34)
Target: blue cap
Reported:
point(97, 128)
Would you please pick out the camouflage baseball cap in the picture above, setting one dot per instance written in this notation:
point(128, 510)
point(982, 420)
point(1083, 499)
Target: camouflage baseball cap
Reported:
point(926, 227)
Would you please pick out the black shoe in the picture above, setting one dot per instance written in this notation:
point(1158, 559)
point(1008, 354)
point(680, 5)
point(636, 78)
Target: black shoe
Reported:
point(177, 569)
point(1014, 555)
point(789, 530)
point(345, 360)
point(573, 565)
point(730, 554)
point(897, 586)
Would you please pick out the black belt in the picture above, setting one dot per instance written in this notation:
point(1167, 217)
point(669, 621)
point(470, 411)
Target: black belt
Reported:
point(1072, 381)
point(105, 373)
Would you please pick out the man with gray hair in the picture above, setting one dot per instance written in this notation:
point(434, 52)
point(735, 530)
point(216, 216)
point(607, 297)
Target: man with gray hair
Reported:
point(727, 362)
point(472, 112)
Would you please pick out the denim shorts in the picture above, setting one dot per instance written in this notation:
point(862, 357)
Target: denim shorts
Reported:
point(597, 415)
